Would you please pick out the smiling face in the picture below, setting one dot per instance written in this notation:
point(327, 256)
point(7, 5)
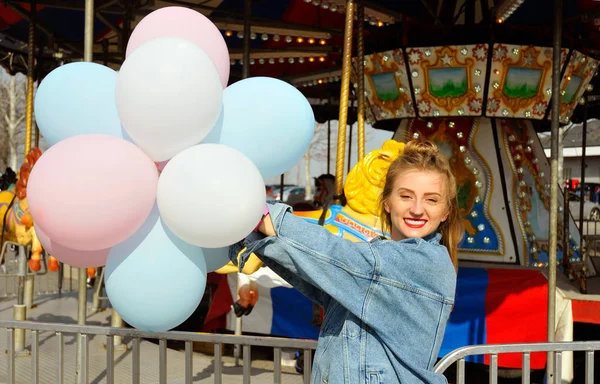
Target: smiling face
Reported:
point(418, 204)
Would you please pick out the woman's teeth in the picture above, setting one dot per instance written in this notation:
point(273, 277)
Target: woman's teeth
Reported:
point(415, 222)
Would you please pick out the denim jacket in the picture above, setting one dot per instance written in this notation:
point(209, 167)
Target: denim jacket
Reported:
point(386, 302)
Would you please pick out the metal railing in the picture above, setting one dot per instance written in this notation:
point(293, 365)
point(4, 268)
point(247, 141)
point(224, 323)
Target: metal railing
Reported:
point(136, 336)
point(493, 350)
point(42, 282)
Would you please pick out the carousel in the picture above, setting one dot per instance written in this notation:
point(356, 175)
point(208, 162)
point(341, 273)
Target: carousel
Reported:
point(480, 78)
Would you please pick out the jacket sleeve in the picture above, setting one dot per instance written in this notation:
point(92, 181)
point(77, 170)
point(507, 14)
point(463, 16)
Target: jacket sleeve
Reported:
point(313, 260)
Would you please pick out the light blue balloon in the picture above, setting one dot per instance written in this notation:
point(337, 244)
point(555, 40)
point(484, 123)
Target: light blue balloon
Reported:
point(269, 121)
point(155, 280)
point(215, 258)
point(77, 99)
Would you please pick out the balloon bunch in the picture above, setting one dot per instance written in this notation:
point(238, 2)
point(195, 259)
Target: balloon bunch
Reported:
point(156, 169)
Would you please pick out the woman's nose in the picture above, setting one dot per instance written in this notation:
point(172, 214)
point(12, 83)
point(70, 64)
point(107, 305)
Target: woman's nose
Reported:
point(417, 208)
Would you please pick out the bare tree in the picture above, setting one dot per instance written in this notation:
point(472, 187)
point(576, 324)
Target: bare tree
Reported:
point(13, 90)
point(14, 96)
point(314, 150)
point(318, 148)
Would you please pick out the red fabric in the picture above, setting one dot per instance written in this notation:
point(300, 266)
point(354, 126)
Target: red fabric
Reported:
point(220, 305)
point(516, 312)
point(585, 311)
point(8, 16)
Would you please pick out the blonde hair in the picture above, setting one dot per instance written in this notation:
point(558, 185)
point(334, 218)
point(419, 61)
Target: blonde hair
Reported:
point(426, 156)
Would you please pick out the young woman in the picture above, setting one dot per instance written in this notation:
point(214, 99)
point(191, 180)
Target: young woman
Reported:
point(386, 302)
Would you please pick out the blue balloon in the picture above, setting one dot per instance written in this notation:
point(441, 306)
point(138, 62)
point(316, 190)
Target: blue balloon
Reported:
point(77, 99)
point(269, 121)
point(155, 280)
point(215, 258)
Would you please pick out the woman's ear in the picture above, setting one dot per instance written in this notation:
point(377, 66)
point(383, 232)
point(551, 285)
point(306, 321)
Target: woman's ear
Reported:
point(386, 206)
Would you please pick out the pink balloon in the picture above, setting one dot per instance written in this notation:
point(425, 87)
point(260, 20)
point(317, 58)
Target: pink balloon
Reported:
point(188, 24)
point(91, 192)
point(73, 257)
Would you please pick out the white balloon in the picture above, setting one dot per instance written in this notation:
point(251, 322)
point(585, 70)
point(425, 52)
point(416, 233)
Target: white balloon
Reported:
point(211, 195)
point(168, 96)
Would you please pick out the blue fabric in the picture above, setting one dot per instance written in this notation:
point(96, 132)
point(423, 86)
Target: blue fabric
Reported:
point(292, 314)
point(466, 325)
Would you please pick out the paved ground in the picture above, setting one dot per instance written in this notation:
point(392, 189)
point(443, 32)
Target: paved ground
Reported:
point(63, 309)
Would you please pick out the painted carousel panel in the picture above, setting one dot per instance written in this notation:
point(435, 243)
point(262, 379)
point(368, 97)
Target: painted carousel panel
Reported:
point(520, 81)
point(448, 80)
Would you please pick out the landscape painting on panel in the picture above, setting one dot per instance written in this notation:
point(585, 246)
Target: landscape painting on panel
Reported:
point(447, 82)
point(385, 86)
point(522, 83)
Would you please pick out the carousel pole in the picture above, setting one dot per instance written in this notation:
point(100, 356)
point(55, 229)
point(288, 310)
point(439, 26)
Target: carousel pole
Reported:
point(328, 146)
point(116, 321)
point(29, 279)
point(245, 74)
point(360, 70)
point(344, 96)
point(25, 284)
point(82, 369)
point(98, 282)
point(583, 278)
point(554, 132)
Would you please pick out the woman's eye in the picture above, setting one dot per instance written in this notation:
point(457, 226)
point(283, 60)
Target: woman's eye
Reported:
point(405, 196)
point(432, 200)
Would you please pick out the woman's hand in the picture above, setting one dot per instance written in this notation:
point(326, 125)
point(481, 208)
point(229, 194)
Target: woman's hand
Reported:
point(266, 226)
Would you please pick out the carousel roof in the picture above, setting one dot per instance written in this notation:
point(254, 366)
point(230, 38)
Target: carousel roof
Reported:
point(300, 40)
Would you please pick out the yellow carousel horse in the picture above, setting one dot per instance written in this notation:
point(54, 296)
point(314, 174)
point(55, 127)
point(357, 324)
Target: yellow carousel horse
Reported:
point(17, 220)
point(357, 221)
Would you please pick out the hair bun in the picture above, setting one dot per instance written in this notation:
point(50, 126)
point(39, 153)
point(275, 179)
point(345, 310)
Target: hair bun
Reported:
point(422, 147)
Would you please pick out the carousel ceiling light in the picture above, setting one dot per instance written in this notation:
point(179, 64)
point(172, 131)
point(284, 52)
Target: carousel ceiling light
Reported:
point(506, 9)
point(330, 76)
point(315, 33)
point(372, 16)
point(277, 54)
point(228, 33)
